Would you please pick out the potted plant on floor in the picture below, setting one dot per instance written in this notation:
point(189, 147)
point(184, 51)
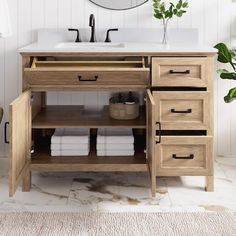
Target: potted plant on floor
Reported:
point(227, 56)
point(165, 12)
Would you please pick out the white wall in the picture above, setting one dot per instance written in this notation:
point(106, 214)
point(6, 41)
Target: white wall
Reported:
point(215, 19)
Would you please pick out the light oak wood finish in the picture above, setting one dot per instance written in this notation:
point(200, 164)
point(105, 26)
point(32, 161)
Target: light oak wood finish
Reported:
point(75, 116)
point(173, 151)
point(87, 65)
point(86, 74)
point(20, 141)
point(25, 64)
point(44, 162)
point(211, 73)
point(48, 74)
point(150, 140)
point(170, 108)
point(41, 80)
point(170, 71)
point(210, 183)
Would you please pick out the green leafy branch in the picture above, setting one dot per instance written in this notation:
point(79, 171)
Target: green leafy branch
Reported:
point(164, 12)
point(227, 56)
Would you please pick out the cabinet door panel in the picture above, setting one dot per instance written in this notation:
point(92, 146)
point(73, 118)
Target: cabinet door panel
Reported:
point(151, 132)
point(20, 139)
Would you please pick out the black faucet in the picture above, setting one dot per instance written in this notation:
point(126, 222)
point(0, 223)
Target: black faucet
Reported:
point(77, 40)
point(92, 25)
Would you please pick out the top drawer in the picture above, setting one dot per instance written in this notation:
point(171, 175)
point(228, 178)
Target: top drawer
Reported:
point(180, 72)
point(49, 75)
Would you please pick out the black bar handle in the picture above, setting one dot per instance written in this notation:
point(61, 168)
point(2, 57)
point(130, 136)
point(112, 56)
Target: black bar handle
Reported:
point(187, 111)
point(77, 40)
point(159, 124)
point(180, 72)
point(5, 132)
point(190, 157)
point(108, 39)
point(80, 77)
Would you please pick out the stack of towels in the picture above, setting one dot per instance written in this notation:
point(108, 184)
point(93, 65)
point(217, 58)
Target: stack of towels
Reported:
point(115, 142)
point(70, 142)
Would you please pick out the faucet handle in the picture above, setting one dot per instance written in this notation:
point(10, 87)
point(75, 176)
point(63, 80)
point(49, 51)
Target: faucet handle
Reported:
point(108, 40)
point(77, 40)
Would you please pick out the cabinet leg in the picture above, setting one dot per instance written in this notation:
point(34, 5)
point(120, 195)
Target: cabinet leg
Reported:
point(209, 183)
point(153, 186)
point(26, 184)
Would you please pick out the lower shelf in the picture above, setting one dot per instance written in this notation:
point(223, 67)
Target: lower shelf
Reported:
point(44, 162)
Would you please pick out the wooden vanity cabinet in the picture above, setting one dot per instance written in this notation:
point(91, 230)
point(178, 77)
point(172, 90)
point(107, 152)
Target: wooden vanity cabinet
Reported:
point(176, 123)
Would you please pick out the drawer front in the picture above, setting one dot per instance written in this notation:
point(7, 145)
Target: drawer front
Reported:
point(183, 110)
point(178, 156)
point(180, 72)
point(75, 78)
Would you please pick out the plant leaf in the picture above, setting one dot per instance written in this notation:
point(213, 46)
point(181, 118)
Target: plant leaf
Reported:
point(179, 4)
point(228, 75)
point(219, 71)
point(230, 96)
point(185, 4)
point(224, 54)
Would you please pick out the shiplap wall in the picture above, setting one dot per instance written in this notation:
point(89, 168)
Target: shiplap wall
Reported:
point(215, 19)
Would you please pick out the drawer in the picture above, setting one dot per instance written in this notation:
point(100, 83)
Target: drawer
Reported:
point(178, 110)
point(73, 78)
point(184, 155)
point(180, 72)
point(87, 74)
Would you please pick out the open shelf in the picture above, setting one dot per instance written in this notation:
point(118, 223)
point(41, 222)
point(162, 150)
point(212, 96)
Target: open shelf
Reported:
point(74, 116)
point(43, 161)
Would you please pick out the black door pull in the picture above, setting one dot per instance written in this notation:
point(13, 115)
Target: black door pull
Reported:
point(190, 157)
point(180, 72)
point(5, 132)
point(80, 77)
point(186, 111)
point(159, 124)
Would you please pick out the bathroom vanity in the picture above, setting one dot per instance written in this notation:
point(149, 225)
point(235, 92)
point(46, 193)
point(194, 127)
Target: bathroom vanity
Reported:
point(173, 134)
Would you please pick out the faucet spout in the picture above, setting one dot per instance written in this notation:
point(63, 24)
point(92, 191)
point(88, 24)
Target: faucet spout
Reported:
point(92, 25)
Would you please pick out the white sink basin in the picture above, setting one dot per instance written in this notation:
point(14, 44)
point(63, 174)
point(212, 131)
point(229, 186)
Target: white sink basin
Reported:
point(72, 45)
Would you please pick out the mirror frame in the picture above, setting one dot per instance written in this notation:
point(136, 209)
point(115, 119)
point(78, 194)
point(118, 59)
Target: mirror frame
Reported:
point(123, 9)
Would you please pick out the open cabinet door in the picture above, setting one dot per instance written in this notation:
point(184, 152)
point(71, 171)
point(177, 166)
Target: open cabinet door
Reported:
point(151, 133)
point(20, 139)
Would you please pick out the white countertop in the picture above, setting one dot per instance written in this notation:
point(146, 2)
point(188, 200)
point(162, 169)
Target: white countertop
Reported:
point(140, 41)
point(125, 48)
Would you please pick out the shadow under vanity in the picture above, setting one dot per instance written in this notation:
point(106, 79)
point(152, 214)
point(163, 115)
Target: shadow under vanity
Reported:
point(173, 132)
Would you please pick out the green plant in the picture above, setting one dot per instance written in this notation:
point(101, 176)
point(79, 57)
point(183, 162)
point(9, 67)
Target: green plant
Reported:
point(164, 12)
point(227, 56)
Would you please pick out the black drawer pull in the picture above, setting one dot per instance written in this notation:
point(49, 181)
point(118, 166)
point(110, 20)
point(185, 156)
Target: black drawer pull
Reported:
point(190, 157)
point(180, 72)
point(88, 80)
point(5, 132)
point(187, 111)
point(159, 124)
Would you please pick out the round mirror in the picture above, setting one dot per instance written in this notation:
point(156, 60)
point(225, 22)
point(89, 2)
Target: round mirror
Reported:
point(118, 4)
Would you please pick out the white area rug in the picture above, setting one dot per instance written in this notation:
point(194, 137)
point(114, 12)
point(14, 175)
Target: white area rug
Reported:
point(133, 224)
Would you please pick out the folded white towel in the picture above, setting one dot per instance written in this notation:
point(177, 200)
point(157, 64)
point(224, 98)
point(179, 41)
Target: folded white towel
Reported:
point(115, 135)
point(111, 146)
point(71, 136)
point(115, 153)
point(70, 153)
point(57, 146)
